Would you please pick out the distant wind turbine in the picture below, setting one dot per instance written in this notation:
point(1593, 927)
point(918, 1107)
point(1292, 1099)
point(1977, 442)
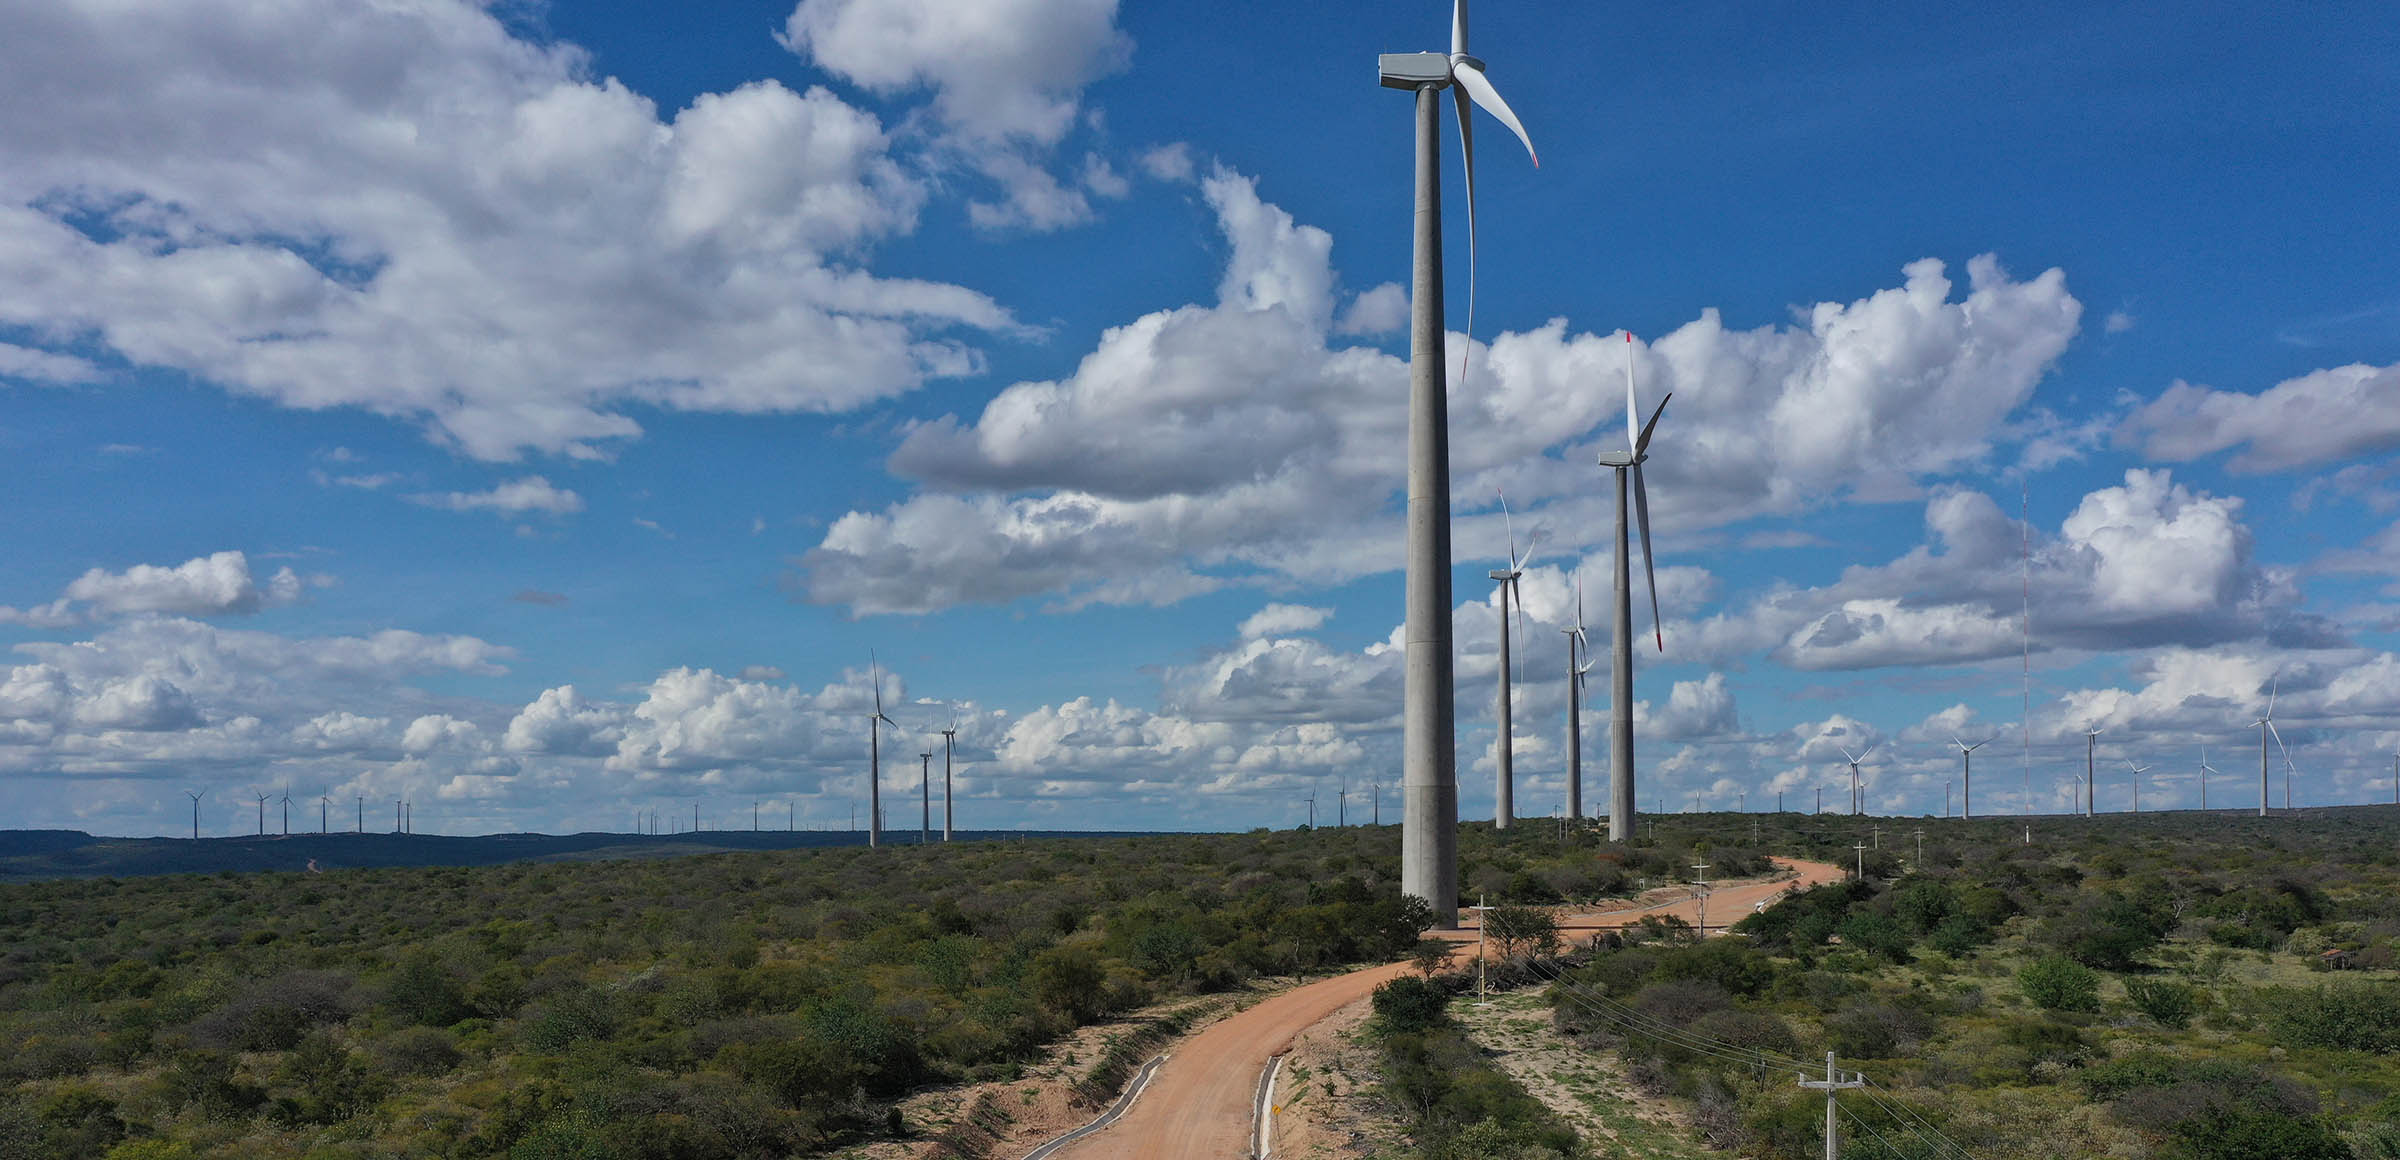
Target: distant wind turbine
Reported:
point(949, 737)
point(1966, 786)
point(1429, 831)
point(875, 723)
point(262, 815)
point(195, 811)
point(1629, 462)
point(925, 797)
point(2138, 771)
point(2205, 771)
point(1578, 649)
point(2091, 800)
point(287, 811)
point(1504, 798)
point(2266, 727)
point(1857, 788)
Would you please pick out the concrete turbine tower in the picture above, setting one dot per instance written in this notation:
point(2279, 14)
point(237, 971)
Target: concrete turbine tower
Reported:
point(2266, 727)
point(1858, 789)
point(1578, 647)
point(2091, 741)
point(1504, 795)
point(875, 723)
point(925, 797)
point(1966, 786)
point(195, 811)
point(1429, 765)
point(2205, 770)
point(949, 738)
point(1629, 464)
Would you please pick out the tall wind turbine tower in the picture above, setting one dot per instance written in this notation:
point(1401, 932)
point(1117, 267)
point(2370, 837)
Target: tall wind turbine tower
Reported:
point(949, 737)
point(925, 797)
point(324, 814)
point(2138, 771)
point(2266, 726)
point(1858, 789)
point(1578, 647)
point(195, 811)
point(1504, 795)
point(262, 815)
point(2091, 742)
point(1966, 754)
point(287, 811)
point(2205, 771)
point(1620, 740)
point(875, 723)
point(1429, 766)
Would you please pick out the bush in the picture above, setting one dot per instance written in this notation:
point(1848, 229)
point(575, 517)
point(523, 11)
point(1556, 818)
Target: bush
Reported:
point(2352, 1017)
point(1410, 1006)
point(2169, 1004)
point(2058, 983)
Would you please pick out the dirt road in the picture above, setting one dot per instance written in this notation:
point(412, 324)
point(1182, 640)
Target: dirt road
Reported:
point(1199, 1106)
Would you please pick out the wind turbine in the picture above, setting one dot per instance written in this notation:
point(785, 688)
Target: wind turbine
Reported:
point(287, 811)
point(324, 814)
point(2205, 771)
point(262, 815)
point(1578, 646)
point(1504, 805)
point(924, 797)
point(2091, 804)
point(1311, 799)
point(2265, 726)
point(949, 737)
point(1857, 790)
point(2138, 771)
point(1429, 829)
point(875, 723)
point(1637, 444)
point(195, 811)
point(1966, 788)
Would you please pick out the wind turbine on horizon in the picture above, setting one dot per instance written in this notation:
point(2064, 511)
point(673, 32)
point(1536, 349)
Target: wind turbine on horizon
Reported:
point(196, 810)
point(875, 723)
point(1429, 765)
point(1966, 787)
point(2265, 726)
point(1504, 804)
point(949, 737)
point(925, 797)
point(1637, 443)
point(262, 815)
point(2138, 771)
point(2091, 801)
point(1578, 648)
point(1857, 788)
point(287, 811)
point(2205, 771)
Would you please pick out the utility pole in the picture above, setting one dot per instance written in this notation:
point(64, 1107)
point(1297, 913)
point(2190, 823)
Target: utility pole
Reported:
point(1701, 869)
point(1829, 1085)
point(1862, 860)
point(1878, 837)
point(1920, 851)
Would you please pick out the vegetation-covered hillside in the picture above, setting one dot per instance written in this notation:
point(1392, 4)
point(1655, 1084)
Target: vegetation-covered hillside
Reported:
point(737, 1005)
point(2197, 987)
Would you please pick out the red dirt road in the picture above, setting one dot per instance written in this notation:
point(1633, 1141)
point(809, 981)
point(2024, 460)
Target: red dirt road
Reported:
point(1200, 1105)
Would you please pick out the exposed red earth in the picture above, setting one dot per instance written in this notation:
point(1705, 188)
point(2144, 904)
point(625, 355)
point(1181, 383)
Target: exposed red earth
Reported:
point(1200, 1105)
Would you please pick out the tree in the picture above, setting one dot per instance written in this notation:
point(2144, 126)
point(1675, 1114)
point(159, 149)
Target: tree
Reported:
point(1515, 928)
point(2058, 983)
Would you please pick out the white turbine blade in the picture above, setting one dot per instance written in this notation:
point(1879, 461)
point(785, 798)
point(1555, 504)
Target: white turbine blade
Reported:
point(1641, 508)
point(1862, 754)
point(1642, 444)
point(2271, 691)
point(1468, 76)
point(1466, 155)
point(1632, 433)
point(1846, 754)
point(2279, 746)
point(1955, 741)
point(1509, 522)
point(1578, 604)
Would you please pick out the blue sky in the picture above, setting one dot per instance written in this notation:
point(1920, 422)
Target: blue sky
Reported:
point(540, 412)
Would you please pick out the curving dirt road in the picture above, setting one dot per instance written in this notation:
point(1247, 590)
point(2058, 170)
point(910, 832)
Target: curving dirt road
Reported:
point(1199, 1105)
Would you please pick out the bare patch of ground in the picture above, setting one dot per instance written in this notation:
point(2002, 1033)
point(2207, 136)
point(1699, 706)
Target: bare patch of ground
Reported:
point(1587, 1089)
point(1326, 1096)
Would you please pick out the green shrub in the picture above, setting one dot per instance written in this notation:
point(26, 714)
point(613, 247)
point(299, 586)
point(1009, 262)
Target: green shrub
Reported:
point(2353, 1016)
point(2059, 983)
point(1410, 1005)
point(2169, 1004)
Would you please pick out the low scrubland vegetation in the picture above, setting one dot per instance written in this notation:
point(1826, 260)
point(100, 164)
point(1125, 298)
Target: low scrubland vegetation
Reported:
point(2188, 987)
point(737, 1005)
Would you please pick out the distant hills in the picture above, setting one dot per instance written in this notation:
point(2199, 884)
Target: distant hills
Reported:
point(27, 855)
